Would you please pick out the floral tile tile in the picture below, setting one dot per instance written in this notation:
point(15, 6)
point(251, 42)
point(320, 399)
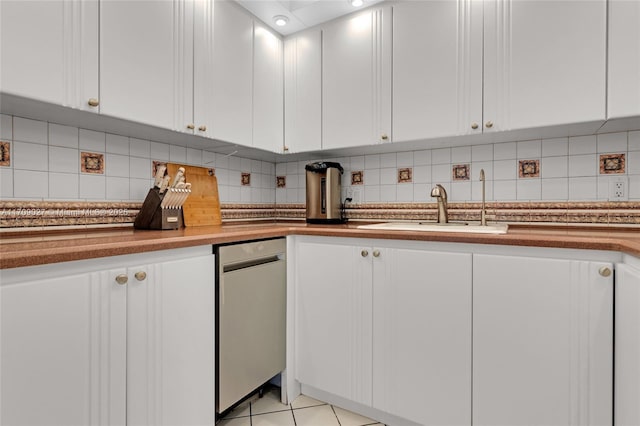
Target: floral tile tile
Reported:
point(612, 164)
point(5, 153)
point(91, 162)
point(461, 172)
point(405, 175)
point(245, 179)
point(357, 178)
point(281, 181)
point(529, 168)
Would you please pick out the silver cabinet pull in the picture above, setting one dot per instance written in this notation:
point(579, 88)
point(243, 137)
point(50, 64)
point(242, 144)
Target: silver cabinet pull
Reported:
point(191, 126)
point(364, 253)
point(474, 126)
point(93, 102)
point(122, 279)
point(202, 128)
point(489, 124)
point(140, 275)
point(384, 137)
point(376, 253)
point(605, 271)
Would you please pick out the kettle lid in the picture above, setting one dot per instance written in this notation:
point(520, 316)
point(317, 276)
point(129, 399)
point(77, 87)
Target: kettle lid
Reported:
point(322, 166)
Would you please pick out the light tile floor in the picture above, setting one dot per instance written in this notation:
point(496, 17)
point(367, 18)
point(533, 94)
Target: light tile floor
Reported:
point(304, 411)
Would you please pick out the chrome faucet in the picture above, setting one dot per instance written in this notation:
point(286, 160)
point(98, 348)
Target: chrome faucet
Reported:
point(483, 211)
point(440, 194)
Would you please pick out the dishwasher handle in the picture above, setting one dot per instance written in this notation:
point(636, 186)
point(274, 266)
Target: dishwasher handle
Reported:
point(230, 267)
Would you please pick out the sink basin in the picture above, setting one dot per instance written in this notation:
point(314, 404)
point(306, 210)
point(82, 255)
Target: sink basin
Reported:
point(439, 227)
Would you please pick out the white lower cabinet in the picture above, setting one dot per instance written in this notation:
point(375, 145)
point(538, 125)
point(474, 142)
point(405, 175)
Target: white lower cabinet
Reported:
point(542, 341)
point(627, 349)
point(445, 334)
point(104, 342)
point(422, 335)
point(386, 327)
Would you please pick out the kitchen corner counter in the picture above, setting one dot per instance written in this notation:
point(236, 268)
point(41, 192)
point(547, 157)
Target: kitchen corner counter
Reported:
point(53, 247)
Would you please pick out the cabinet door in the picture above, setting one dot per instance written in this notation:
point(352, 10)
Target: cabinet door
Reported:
point(146, 61)
point(50, 51)
point(268, 90)
point(333, 319)
point(544, 63)
point(303, 91)
point(232, 77)
point(422, 335)
point(437, 69)
point(542, 342)
point(63, 351)
point(203, 21)
point(623, 88)
point(170, 343)
point(356, 80)
point(627, 350)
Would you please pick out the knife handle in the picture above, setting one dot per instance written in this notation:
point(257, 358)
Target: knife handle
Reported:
point(179, 174)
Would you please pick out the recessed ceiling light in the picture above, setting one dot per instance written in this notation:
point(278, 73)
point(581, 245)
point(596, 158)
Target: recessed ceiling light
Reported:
point(356, 3)
point(280, 20)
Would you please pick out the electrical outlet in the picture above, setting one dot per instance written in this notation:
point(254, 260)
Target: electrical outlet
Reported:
point(618, 187)
point(356, 194)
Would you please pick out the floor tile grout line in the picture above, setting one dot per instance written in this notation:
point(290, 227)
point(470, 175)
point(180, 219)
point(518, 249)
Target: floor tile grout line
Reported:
point(295, 423)
point(335, 414)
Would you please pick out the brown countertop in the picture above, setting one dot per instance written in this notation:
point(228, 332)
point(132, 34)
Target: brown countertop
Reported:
point(42, 248)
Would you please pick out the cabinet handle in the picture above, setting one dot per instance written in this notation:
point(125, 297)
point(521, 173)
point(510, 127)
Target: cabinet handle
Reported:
point(489, 124)
point(191, 126)
point(605, 271)
point(285, 149)
point(364, 253)
point(474, 126)
point(93, 102)
point(140, 275)
point(384, 137)
point(202, 128)
point(122, 279)
point(376, 253)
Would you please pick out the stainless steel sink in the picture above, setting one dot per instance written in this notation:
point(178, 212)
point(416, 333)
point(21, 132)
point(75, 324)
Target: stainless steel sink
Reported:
point(461, 227)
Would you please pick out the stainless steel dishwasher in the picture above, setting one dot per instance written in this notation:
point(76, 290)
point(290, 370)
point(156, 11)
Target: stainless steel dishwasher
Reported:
point(251, 299)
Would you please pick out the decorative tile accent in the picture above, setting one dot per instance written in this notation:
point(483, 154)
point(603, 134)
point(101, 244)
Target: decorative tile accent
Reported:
point(405, 175)
point(91, 162)
point(529, 168)
point(155, 165)
point(245, 179)
point(612, 164)
point(281, 181)
point(357, 178)
point(461, 172)
point(5, 153)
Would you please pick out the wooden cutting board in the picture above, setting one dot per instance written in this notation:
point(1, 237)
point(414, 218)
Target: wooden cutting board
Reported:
point(202, 208)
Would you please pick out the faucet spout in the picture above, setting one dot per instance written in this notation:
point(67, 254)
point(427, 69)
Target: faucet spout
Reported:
point(440, 194)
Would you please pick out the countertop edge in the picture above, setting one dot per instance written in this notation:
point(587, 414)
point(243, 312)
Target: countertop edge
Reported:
point(93, 248)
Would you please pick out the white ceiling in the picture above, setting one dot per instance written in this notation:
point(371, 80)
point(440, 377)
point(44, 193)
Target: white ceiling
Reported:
point(301, 13)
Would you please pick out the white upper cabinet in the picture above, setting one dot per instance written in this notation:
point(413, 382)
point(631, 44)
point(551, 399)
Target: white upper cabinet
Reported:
point(437, 69)
point(49, 51)
point(146, 61)
point(466, 67)
point(268, 90)
point(232, 74)
point(201, 122)
point(542, 341)
point(303, 91)
point(624, 59)
point(544, 63)
point(356, 79)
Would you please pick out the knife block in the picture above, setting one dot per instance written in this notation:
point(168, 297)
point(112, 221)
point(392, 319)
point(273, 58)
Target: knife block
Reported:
point(153, 216)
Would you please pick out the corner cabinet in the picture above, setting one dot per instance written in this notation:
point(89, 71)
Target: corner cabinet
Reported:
point(542, 341)
point(468, 67)
point(50, 51)
point(356, 79)
point(106, 342)
point(303, 92)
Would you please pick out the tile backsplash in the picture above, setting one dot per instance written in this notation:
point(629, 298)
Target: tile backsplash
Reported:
point(50, 162)
point(562, 169)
